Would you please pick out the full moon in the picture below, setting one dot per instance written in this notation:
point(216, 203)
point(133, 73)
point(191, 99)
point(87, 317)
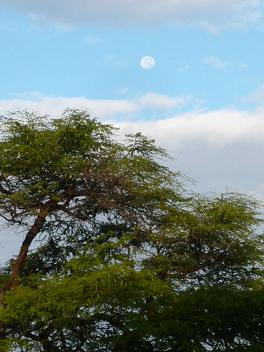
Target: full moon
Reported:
point(147, 62)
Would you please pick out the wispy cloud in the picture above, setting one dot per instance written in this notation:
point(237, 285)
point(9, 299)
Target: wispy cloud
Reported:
point(220, 64)
point(92, 40)
point(162, 101)
point(217, 63)
point(8, 27)
point(121, 90)
point(256, 97)
point(183, 68)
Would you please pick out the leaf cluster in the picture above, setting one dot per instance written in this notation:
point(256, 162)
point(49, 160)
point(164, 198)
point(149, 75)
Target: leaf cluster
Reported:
point(127, 260)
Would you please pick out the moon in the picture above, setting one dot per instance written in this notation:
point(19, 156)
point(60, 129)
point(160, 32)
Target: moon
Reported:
point(147, 62)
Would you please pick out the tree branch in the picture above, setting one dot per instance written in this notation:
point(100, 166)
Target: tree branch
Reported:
point(32, 233)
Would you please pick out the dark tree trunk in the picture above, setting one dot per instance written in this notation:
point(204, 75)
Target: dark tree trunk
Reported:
point(17, 266)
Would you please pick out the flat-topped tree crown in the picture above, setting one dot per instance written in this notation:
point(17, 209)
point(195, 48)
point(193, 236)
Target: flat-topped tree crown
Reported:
point(74, 169)
point(39, 157)
point(129, 263)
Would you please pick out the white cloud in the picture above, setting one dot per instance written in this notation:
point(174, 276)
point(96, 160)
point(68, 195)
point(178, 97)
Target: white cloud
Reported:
point(216, 128)
point(220, 149)
point(121, 90)
point(217, 63)
point(104, 108)
point(92, 40)
point(160, 101)
point(210, 13)
point(220, 64)
point(242, 66)
point(54, 106)
point(183, 68)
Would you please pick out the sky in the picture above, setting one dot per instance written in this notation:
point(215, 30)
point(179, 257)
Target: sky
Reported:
point(203, 100)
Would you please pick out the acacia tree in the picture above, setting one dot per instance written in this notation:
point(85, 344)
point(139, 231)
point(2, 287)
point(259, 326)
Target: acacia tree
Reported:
point(72, 168)
point(128, 262)
point(57, 171)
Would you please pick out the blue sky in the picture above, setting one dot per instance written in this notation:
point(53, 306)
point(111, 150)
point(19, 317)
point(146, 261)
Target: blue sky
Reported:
point(214, 65)
point(203, 100)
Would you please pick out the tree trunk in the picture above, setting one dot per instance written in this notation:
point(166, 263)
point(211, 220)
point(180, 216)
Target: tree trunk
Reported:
point(18, 264)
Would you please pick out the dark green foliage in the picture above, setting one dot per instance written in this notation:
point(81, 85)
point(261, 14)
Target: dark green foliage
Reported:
point(127, 262)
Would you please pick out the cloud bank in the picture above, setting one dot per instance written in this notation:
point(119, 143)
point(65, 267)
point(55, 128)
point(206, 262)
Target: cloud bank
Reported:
point(142, 12)
point(220, 149)
point(217, 128)
point(103, 108)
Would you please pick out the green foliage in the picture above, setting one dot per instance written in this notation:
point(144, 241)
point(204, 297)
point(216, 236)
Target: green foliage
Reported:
point(76, 159)
point(128, 262)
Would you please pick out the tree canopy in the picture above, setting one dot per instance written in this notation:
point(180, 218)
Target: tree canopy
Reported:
point(127, 259)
